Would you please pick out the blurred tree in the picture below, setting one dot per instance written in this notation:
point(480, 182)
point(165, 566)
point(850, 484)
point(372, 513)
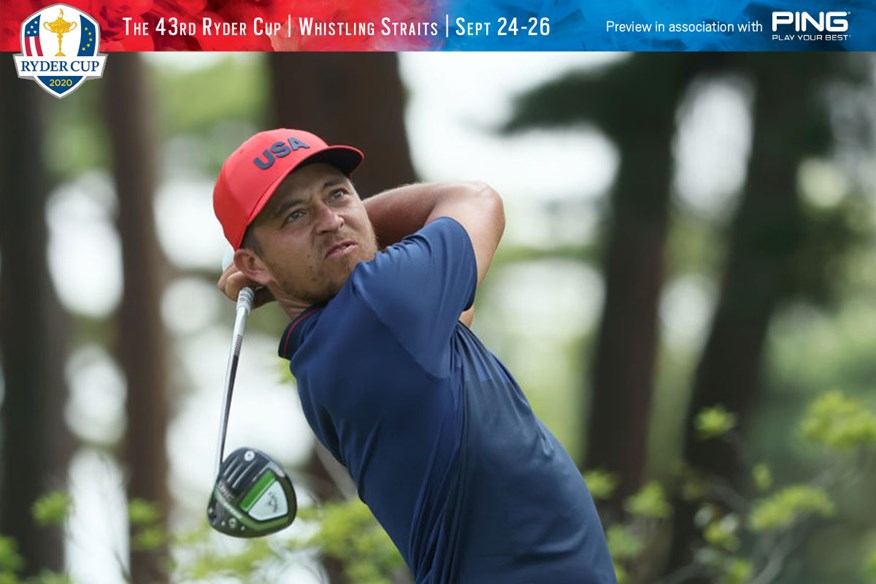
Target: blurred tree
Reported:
point(763, 266)
point(36, 443)
point(355, 99)
point(331, 94)
point(141, 336)
point(634, 102)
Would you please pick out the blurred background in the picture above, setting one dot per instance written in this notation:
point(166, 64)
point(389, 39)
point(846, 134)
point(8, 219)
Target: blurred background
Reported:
point(686, 292)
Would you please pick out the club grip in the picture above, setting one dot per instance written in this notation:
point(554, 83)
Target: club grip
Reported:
point(245, 299)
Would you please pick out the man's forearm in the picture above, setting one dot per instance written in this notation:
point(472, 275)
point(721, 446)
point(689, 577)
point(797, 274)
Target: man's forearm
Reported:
point(476, 206)
point(401, 211)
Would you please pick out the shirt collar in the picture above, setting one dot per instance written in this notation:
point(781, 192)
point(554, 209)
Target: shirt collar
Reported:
point(292, 336)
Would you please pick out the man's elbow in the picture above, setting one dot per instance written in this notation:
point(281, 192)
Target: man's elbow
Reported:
point(489, 202)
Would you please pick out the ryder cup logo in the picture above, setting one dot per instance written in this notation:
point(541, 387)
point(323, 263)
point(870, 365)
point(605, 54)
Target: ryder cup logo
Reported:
point(59, 49)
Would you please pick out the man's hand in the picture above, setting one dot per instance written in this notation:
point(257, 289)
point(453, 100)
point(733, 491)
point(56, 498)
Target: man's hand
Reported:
point(232, 281)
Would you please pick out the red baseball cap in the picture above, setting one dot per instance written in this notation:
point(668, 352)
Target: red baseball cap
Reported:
point(254, 171)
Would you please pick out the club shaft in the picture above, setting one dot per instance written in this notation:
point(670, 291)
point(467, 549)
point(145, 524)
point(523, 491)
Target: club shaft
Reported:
point(244, 306)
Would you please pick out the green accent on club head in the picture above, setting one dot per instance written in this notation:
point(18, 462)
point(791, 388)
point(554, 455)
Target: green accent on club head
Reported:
point(256, 527)
point(267, 479)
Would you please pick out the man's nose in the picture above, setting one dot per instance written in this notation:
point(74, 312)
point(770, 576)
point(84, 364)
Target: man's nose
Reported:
point(327, 219)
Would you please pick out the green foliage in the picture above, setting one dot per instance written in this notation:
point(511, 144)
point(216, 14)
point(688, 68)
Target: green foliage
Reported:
point(650, 501)
point(744, 539)
point(817, 350)
point(150, 538)
point(601, 483)
point(50, 578)
point(349, 532)
point(839, 422)
point(237, 94)
point(722, 534)
point(723, 567)
point(346, 531)
point(789, 506)
point(82, 145)
point(148, 533)
point(694, 488)
point(52, 509)
point(737, 571)
point(207, 561)
point(870, 566)
point(714, 422)
point(762, 476)
point(141, 512)
point(10, 559)
point(49, 510)
point(623, 543)
point(621, 574)
point(830, 234)
point(11, 563)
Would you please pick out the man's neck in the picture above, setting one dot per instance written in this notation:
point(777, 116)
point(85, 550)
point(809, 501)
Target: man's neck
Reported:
point(293, 309)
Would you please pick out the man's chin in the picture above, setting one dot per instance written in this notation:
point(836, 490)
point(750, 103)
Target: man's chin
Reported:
point(339, 280)
point(336, 276)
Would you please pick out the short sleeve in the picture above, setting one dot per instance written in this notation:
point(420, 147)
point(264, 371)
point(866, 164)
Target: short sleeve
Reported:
point(419, 287)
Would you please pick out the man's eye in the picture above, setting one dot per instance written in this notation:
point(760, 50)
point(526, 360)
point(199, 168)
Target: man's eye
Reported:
point(294, 215)
point(337, 194)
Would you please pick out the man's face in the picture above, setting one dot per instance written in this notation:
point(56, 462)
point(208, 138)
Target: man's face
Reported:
point(312, 234)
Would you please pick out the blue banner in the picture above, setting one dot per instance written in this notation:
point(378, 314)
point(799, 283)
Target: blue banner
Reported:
point(661, 25)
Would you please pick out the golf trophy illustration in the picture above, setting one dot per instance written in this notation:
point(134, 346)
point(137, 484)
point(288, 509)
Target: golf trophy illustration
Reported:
point(60, 27)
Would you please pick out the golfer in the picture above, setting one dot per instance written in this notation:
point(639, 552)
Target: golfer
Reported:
point(441, 442)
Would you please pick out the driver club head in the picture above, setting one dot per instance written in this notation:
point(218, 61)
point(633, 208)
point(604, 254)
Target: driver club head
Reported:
point(253, 496)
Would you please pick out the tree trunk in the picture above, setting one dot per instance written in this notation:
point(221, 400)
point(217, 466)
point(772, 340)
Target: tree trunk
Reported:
point(141, 335)
point(36, 443)
point(623, 365)
point(634, 266)
point(332, 95)
point(766, 230)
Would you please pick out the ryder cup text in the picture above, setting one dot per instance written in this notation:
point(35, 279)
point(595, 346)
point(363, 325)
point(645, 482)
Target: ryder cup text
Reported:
point(49, 65)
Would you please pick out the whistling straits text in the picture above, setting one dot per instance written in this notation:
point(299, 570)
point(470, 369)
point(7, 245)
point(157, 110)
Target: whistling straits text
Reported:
point(308, 26)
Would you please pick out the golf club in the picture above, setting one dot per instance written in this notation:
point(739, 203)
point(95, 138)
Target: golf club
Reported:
point(252, 495)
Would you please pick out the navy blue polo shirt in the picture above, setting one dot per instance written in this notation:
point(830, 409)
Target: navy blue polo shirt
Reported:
point(440, 440)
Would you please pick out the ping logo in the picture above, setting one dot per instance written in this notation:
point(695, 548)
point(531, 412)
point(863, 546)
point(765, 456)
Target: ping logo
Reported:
point(278, 150)
point(803, 21)
point(59, 49)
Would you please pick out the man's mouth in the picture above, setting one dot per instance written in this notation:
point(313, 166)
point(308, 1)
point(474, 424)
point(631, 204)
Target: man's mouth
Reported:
point(340, 249)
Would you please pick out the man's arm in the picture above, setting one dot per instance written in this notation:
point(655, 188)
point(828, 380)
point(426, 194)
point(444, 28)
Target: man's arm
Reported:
point(477, 207)
point(402, 211)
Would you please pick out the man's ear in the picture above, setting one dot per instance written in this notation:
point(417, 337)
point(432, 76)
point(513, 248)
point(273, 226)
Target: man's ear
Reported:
point(252, 266)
